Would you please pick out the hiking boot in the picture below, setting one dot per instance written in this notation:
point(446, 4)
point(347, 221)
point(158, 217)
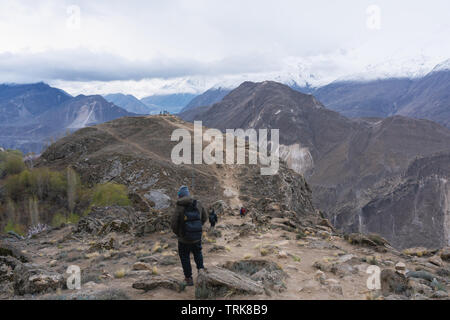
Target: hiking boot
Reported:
point(189, 282)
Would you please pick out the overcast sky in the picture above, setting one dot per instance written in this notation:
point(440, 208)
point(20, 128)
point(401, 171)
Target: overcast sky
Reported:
point(146, 47)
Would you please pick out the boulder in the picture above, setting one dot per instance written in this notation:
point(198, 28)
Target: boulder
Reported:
point(114, 226)
point(445, 254)
point(32, 279)
point(9, 249)
point(219, 282)
point(159, 198)
point(109, 243)
point(368, 240)
point(140, 203)
point(156, 282)
point(420, 252)
point(267, 272)
point(142, 266)
point(394, 283)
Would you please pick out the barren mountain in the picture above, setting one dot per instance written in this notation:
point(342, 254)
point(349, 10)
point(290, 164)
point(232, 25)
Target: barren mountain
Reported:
point(343, 159)
point(130, 103)
point(168, 102)
point(73, 114)
point(20, 103)
point(426, 97)
point(128, 151)
point(207, 98)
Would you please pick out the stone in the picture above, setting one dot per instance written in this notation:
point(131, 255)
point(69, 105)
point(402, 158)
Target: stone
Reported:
point(267, 272)
point(445, 254)
point(114, 226)
point(400, 267)
point(419, 252)
point(440, 295)
point(393, 282)
point(9, 249)
point(436, 260)
point(142, 266)
point(421, 275)
point(369, 240)
point(109, 243)
point(159, 198)
point(219, 282)
point(32, 279)
point(156, 282)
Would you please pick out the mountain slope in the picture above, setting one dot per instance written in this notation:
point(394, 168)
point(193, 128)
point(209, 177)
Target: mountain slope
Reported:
point(22, 102)
point(128, 151)
point(343, 159)
point(429, 98)
point(71, 115)
point(169, 102)
point(130, 103)
point(379, 98)
point(207, 98)
point(426, 97)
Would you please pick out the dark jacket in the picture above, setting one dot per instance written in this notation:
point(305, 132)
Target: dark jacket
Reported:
point(178, 216)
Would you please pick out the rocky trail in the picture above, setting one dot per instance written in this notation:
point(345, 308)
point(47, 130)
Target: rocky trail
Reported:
point(242, 260)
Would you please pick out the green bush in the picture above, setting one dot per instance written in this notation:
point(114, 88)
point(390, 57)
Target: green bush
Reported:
point(15, 227)
point(59, 219)
point(109, 194)
point(11, 163)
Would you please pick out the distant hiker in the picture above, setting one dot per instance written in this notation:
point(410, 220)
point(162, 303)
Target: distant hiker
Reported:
point(212, 218)
point(187, 222)
point(242, 212)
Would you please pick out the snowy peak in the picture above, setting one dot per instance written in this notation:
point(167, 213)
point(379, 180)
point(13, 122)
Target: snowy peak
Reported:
point(444, 66)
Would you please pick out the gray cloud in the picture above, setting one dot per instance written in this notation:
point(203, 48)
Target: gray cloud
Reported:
point(84, 65)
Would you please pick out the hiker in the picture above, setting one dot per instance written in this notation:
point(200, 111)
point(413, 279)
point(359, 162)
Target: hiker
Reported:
point(212, 218)
point(242, 212)
point(187, 221)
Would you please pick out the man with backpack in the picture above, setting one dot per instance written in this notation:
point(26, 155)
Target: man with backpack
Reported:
point(187, 224)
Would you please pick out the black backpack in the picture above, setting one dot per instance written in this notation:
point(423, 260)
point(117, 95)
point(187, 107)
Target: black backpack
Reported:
point(192, 223)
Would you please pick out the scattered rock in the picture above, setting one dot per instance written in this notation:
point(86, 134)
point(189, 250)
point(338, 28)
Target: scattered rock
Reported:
point(440, 295)
point(159, 198)
point(219, 282)
point(109, 243)
point(445, 254)
point(269, 273)
point(8, 249)
point(394, 283)
point(419, 252)
point(159, 282)
point(370, 240)
point(31, 279)
point(217, 248)
point(142, 266)
point(114, 226)
point(400, 267)
point(436, 260)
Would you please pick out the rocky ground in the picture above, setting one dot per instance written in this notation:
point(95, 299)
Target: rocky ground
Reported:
point(125, 254)
point(283, 249)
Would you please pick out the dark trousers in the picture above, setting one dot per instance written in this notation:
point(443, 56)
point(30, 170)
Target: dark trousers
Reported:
point(184, 250)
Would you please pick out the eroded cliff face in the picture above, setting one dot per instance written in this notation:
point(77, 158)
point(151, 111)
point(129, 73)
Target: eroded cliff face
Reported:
point(409, 210)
